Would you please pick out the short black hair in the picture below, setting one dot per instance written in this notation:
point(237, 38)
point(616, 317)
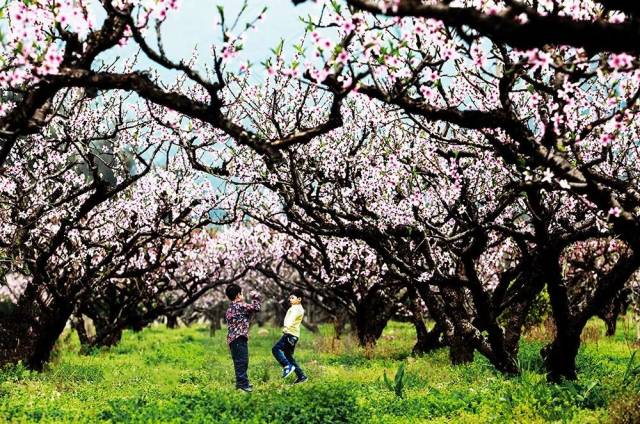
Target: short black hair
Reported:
point(297, 293)
point(232, 291)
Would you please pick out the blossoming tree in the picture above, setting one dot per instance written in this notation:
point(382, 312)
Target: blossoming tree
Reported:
point(87, 209)
point(469, 144)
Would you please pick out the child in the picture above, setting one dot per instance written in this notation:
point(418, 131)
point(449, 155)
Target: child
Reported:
point(283, 350)
point(238, 316)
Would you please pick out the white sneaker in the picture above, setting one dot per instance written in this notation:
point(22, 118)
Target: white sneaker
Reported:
point(286, 371)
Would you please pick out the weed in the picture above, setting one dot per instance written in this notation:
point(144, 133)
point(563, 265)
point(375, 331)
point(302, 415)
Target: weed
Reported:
point(397, 386)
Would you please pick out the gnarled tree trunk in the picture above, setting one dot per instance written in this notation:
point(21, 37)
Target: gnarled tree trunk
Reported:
point(30, 331)
point(373, 312)
point(560, 356)
point(441, 305)
point(426, 341)
point(172, 321)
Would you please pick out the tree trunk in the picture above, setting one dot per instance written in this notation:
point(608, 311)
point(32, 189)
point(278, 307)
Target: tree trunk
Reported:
point(610, 321)
point(369, 327)
point(107, 336)
point(172, 321)
point(372, 314)
point(311, 326)
point(214, 325)
point(461, 342)
point(528, 286)
point(560, 356)
point(340, 324)
point(610, 313)
point(513, 328)
point(30, 331)
point(460, 350)
point(47, 335)
point(79, 324)
point(486, 319)
point(426, 341)
point(280, 309)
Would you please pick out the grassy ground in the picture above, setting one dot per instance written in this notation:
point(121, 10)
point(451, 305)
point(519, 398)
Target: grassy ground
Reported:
point(162, 375)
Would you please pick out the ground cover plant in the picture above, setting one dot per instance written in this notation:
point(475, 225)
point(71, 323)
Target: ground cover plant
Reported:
point(165, 375)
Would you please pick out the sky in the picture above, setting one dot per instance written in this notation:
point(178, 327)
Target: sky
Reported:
point(194, 26)
point(195, 22)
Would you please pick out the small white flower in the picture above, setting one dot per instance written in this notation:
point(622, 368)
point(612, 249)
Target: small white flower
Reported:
point(547, 176)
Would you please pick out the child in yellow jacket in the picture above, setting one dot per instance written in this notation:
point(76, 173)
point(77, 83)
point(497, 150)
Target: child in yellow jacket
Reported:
point(284, 348)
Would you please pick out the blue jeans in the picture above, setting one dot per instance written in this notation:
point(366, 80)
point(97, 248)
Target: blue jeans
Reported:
point(283, 352)
point(240, 356)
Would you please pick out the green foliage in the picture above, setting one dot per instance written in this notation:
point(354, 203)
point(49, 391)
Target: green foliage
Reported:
point(277, 50)
point(183, 375)
point(15, 373)
point(310, 404)
point(539, 310)
point(398, 384)
point(632, 372)
point(77, 373)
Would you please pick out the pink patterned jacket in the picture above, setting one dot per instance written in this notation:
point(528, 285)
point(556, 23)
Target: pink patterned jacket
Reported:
point(239, 315)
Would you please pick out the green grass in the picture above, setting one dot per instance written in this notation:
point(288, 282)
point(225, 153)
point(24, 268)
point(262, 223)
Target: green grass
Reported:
point(162, 375)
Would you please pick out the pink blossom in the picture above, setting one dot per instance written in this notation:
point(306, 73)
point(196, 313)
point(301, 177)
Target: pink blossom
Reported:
point(606, 139)
point(228, 53)
point(292, 72)
point(348, 25)
point(431, 75)
point(615, 211)
point(620, 61)
point(343, 57)
point(392, 61)
point(538, 59)
point(617, 18)
point(479, 58)
point(427, 92)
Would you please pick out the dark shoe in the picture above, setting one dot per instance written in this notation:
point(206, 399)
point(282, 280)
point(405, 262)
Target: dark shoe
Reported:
point(286, 371)
point(245, 389)
point(300, 380)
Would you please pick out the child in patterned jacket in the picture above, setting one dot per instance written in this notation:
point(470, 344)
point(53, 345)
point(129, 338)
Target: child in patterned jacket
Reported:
point(238, 316)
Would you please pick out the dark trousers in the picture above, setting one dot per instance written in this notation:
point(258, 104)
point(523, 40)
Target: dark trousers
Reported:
point(240, 356)
point(283, 352)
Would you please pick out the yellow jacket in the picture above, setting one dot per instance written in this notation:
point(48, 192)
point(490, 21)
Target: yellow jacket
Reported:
point(292, 320)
